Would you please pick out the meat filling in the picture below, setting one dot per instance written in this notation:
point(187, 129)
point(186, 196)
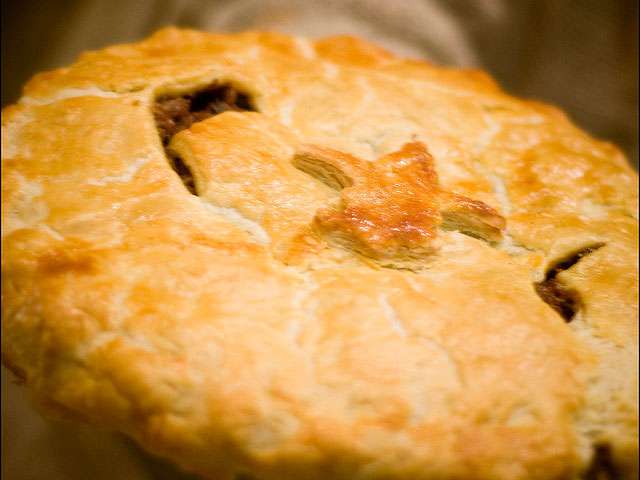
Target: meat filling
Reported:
point(561, 299)
point(174, 114)
point(602, 466)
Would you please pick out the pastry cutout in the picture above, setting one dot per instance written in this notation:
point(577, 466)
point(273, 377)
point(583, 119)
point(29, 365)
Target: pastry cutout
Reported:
point(390, 210)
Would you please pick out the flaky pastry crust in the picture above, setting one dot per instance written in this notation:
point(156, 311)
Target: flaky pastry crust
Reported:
point(361, 275)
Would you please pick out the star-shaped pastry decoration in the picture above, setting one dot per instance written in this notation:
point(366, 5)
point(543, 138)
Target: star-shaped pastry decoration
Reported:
point(390, 210)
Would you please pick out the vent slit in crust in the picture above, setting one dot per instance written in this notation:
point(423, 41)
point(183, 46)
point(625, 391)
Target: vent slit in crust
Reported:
point(602, 465)
point(554, 292)
point(173, 114)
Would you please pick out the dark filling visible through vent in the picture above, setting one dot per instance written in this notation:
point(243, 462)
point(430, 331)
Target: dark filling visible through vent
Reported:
point(561, 298)
point(602, 466)
point(174, 114)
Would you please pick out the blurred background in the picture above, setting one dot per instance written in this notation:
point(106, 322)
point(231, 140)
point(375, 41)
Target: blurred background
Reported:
point(581, 55)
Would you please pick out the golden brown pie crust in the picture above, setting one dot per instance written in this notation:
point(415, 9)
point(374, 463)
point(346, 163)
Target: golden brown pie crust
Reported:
point(351, 292)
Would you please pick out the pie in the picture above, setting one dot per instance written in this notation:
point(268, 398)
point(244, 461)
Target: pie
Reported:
point(266, 257)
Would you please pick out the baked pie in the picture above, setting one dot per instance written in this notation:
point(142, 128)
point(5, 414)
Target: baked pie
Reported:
point(273, 258)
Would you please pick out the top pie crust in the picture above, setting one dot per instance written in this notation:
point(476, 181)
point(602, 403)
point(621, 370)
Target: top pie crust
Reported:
point(352, 292)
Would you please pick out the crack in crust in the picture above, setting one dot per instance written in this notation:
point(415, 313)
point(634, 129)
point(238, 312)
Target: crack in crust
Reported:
point(391, 210)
